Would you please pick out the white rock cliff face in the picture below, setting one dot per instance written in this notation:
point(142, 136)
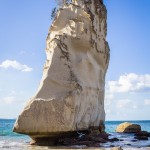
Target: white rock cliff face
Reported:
point(71, 93)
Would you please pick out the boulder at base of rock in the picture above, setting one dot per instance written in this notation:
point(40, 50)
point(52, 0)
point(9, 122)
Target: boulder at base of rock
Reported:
point(127, 127)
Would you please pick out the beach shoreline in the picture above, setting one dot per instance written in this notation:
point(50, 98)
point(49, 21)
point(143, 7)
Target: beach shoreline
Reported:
point(80, 147)
point(13, 141)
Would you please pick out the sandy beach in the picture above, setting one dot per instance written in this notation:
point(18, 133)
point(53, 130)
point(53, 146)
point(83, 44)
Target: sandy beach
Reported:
point(92, 148)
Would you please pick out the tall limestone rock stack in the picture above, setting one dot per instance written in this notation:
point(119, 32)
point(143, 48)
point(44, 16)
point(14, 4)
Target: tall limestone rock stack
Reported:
point(71, 93)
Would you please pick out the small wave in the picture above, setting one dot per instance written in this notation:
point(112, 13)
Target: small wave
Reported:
point(5, 145)
point(3, 134)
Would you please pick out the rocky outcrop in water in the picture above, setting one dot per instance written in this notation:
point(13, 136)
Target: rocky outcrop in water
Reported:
point(70, 97)
point(128, 127)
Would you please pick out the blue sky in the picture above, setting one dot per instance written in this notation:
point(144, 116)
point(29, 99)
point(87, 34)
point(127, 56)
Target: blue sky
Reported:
point(23, 29)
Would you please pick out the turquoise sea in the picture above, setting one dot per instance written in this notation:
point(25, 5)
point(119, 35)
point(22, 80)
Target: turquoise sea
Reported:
point(10, 140)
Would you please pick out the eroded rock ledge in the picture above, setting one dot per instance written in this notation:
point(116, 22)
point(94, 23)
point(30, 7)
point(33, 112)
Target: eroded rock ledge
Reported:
point(70, 97)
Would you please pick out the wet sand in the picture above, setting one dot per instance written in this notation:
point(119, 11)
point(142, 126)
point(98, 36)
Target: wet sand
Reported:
point(79, 148)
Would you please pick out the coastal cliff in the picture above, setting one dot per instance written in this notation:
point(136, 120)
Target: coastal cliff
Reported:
point(71, 92)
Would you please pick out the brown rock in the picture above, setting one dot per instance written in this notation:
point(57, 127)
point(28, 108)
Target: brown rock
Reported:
point(98, 139)
point(113, 140)
point(141, 137)
point(134, 140)
point(104, 135)
point(87, 143)
point(127, 127)
point(143, 133)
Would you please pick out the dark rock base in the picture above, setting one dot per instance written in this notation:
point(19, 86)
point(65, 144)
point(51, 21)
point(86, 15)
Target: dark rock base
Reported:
point(75, 138)
point(93, 139)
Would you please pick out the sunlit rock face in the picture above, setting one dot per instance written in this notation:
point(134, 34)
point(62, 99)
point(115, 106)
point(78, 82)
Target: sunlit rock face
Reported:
point(71, 92)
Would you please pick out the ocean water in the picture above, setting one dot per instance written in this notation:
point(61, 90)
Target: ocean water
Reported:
point(14, 141)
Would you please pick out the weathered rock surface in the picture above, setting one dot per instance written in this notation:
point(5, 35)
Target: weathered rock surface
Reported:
point(143, 133)
point(141, 137)
point(71, 93)
point(127, 127)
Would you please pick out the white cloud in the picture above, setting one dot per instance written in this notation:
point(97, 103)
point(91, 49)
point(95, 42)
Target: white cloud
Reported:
point(12, 92)
point(147, 102)
point(15, 65)
point(135, 106)
point(13, 97)
point(108, 98)
point(123, 103)
point(129, 83)
point(107, 111)
point(9, 99)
